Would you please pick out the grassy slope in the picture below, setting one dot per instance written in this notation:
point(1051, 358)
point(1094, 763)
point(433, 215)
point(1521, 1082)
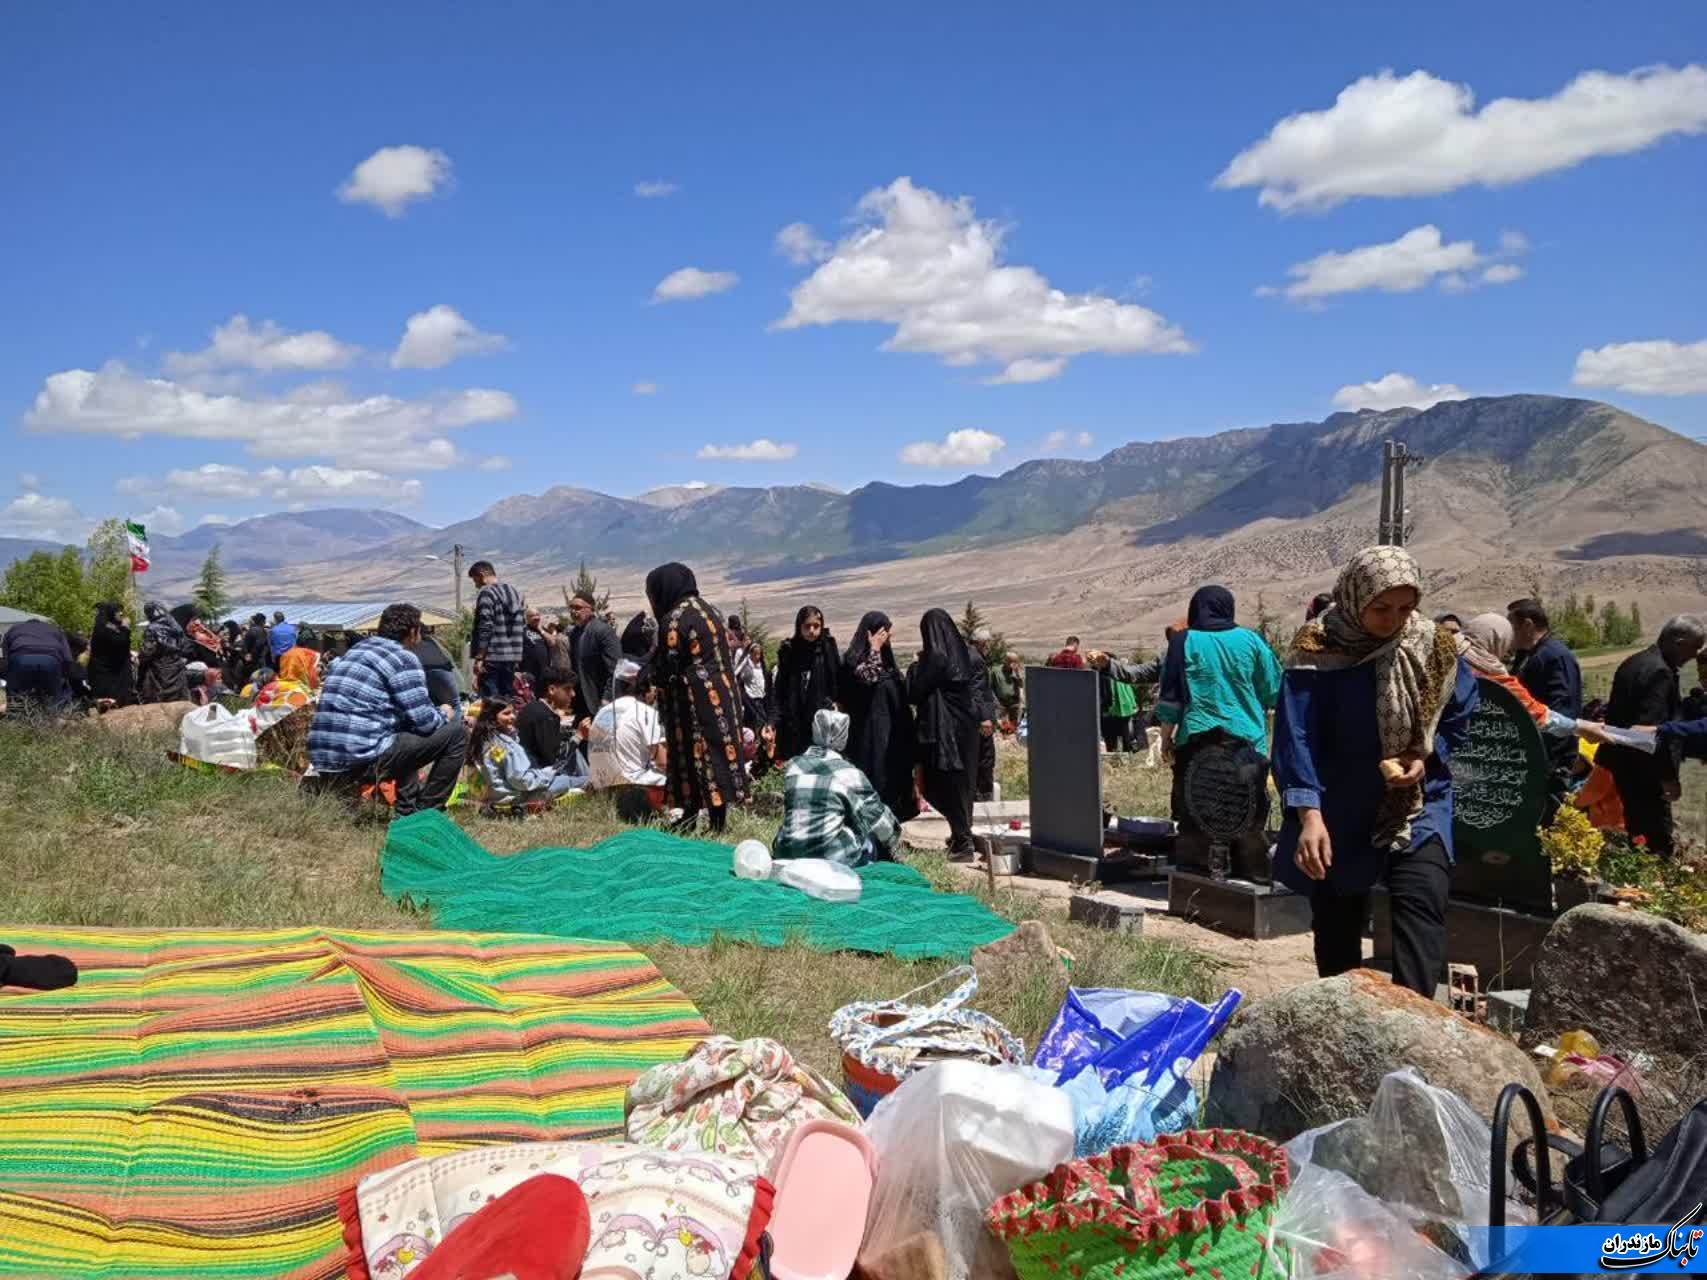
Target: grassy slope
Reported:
point(105, 831)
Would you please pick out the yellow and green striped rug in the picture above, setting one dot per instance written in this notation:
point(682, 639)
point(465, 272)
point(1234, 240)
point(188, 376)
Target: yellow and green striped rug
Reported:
point(197, 1103)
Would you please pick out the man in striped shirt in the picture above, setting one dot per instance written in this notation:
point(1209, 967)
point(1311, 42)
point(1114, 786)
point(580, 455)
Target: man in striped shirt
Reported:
point(375, 715)
point(500, 629)
point(829, 808)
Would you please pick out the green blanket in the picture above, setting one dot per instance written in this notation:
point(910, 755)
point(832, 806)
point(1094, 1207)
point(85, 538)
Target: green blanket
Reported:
point(645, 885)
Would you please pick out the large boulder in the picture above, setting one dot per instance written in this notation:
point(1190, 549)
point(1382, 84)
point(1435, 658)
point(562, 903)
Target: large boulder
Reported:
point(151, 718)
point(1633, 980)
point(1318, 1052)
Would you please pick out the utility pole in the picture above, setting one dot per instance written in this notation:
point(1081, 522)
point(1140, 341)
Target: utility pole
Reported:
point(1390, 531)
point(456, 568)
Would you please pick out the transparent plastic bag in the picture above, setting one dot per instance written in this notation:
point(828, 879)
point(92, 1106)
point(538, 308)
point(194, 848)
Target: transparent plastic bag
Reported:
point(1422, 1152)
point(1335, 1230)
point(819, 878)
point(214, 735)
point(752, 860)
point(951, 1141)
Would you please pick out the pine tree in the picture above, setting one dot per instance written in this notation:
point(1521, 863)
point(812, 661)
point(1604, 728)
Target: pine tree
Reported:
point(210, 594)
point(587, 584)
point(971, 620)
point(758, 629)
point(1635, 623)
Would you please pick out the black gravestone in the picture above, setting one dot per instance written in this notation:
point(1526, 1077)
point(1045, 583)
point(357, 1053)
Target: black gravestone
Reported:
point(1499, 779)
point(1225, 791)
point(1063, 749)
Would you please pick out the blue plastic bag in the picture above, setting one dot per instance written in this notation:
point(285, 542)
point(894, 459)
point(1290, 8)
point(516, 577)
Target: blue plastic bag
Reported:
point(1129, 1112)
point(1130, 1035)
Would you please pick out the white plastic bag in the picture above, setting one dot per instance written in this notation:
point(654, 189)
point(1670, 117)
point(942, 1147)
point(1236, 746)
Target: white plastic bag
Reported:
point(216, 736)
point(752, 860)
point(1338, 1231)
point(819, 878)
point(951, 1141)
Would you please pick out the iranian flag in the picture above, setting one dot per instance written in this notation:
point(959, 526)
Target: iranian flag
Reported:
point(138, 537)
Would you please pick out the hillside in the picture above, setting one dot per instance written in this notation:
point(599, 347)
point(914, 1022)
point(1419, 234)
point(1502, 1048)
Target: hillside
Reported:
point(1570, 493)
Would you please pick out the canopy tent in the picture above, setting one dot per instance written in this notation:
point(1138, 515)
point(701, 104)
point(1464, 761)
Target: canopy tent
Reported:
point(11, 617)
point(330, 615)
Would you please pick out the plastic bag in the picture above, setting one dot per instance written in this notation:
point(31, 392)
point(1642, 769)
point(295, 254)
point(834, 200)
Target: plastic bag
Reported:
point(818, 878)
point(1127, 1034)
point(214, 735)
point(951, 1141)
point(1422, 1152)
point(752, 860)
point(1334, 1228)
point(1129, 1112)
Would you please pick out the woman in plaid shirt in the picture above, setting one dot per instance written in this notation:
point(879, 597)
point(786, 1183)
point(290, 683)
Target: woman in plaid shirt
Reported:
point(829, 808)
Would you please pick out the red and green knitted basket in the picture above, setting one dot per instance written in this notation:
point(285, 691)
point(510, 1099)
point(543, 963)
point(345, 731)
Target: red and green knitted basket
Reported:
point(1194, 1204)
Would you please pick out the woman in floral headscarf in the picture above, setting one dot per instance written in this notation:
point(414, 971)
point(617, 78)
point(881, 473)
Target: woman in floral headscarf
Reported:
point(1374, 701)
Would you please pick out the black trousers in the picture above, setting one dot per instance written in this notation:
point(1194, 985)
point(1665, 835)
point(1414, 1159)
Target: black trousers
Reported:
point(1647, 811)
point(986, 767)
point(1118, 734)
point(444, 750)
point(1417, 882)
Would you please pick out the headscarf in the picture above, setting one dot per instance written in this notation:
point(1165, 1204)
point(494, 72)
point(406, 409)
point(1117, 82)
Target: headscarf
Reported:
point(1414, 670)
point(806, 611)
point(640, 637)
point(667, 586)
point(830, 729)
point(163, 629)
point(858, 653)
point(944, 669)
point(1211, 609)
point(1486, 641)
point(945, 645)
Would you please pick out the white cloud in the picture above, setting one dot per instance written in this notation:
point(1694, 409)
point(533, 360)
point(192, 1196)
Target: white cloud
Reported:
point(1030, 369)
point(217, 518)
point(691, 282)
point(930, 267)
point(299, 484)
point(35, 515)
point(1418, 135)
point(656, 190)
point(760, 450)
point(392, 177)
point(968, 447)
point(237, 344)
point(377, 431)
point(496, 462)
point(800, 244)
point(1396, 391)
point(1061, 441)
point(438, 335)
point(1656, 368)
point(168, 521)
point(29, 481)
point(1413, 261)
point(645, 388)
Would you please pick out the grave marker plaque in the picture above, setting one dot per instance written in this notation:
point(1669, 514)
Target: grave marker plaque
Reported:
point(1226, 797)
point(1064, 741)
point(1499, 779)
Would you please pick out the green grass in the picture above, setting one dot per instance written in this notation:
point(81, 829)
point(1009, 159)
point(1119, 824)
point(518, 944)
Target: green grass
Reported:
point(101, 830)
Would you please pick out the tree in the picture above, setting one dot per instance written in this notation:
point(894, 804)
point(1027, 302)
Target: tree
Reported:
point(971, 620)
point(1270, 628)
point(971, 623)
point(210, 595)
point(1636, 631)
point(53, 586)
point(757, 629)
point(107, 571)
point(586, 584)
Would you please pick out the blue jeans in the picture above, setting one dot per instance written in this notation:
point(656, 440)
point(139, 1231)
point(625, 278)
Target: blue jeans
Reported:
point(497, 679)
point(35, 682)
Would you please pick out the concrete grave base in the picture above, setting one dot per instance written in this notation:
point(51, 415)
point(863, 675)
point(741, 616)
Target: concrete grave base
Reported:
point(1500, 942)
point(1117, 911)
point(1239, 907)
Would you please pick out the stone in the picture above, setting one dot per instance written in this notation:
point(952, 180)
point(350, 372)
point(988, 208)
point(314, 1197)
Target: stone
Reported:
point(1114, 911)
point(1027, 955)
point(1499, 781)
point(1064, 760)
point(1632, 980)
point(1318, 1052)
point(155, 717)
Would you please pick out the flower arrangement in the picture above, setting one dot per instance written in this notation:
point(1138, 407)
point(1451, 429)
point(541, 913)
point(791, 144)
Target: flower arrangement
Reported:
point(1573, 844)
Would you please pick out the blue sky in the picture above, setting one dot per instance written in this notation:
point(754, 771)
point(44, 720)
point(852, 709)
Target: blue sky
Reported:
point(167, 171)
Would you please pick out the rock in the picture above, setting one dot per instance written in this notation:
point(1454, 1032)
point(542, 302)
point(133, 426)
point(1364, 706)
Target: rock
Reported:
point(1027, 955)
point(1117, 911)
point(1633, 981)
point(1317, 1053)
point(156, 717)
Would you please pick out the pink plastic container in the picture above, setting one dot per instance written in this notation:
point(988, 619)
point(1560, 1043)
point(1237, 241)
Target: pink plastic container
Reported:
point(823, 1186)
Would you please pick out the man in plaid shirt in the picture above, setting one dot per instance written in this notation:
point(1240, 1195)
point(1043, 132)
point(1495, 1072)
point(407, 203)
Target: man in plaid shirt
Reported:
point(500, 630)
point(375, 714)
point(829, 808)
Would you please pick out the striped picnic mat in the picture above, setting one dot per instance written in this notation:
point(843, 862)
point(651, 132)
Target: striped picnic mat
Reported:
point(194, 1106)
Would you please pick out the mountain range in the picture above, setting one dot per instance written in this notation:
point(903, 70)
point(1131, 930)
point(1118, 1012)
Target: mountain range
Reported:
point(1512, 493)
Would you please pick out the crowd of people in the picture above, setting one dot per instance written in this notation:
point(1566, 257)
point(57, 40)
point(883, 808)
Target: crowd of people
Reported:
point(680, 713)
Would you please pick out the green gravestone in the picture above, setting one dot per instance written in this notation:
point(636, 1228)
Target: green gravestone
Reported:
point(1499, 782)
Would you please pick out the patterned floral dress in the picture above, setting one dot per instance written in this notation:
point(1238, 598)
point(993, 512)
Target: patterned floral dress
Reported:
point(700, 704)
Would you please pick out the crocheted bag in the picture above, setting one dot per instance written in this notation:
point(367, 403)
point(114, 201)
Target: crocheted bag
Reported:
point(1194, 1204)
